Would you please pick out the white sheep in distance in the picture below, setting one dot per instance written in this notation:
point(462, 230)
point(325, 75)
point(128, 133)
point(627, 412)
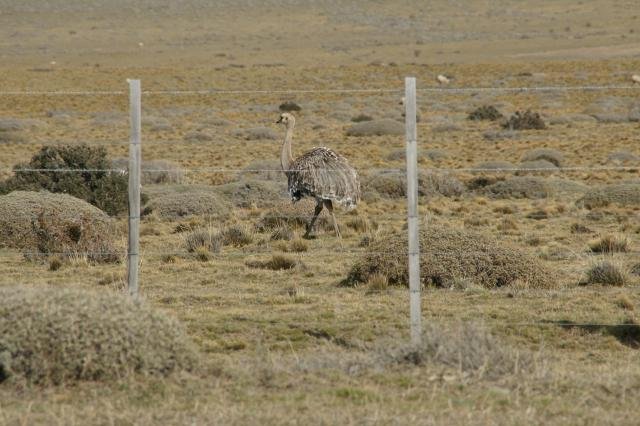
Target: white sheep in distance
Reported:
point(635, 78)
point(443, 79)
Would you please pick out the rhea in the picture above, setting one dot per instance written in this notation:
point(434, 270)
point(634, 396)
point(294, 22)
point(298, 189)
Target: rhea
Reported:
point(320, 173)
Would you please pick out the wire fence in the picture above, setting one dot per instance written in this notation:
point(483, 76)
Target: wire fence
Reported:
point(267, 248)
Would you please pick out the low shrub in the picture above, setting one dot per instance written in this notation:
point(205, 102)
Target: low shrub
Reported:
point(447, 254)
point(58, 336)
point(485, 112)
point(43, 224)
point(97, 185)
point(525, 121)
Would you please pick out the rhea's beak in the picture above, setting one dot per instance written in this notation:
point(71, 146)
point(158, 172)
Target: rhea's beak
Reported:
point(279, 120)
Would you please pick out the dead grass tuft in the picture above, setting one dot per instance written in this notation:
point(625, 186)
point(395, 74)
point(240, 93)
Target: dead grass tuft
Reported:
point(485, 112)
point(236, 236)
point(58, 336)
point(606, 273)
point(610, 244)
point(276, 263)
point(206, 239)
point(449, 253)
point(467, 347)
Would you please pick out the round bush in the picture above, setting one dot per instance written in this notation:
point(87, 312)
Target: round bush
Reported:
point(173, 201)
point(625, 194)
point(43, 223)
point(394, 184)
point(57, 336)
point(449, 254)
point(519, 187)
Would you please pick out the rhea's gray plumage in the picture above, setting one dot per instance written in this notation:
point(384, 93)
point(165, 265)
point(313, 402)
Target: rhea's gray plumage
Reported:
point(319, 173)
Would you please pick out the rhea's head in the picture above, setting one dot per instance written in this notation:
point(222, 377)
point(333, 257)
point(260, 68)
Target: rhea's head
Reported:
point(286, 119)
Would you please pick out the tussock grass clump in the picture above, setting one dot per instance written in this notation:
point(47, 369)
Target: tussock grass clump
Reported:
point(59, 336)
point(625, 194)
point(519, 187)
point(606, 273)
point(610, 244)
point(100, 187)
point(578, 228)
point(359, 224)
point(485, 112)
point(551, 155)
point(298, 245)
point(394, 184)
point(236, 236)
point(205, 239)
point(282, 233)
point(377, 283)
point(277, 262)
point(467, 347)
point(525, 121)
point(447, 254)
point(41, 223)
point(175, 201)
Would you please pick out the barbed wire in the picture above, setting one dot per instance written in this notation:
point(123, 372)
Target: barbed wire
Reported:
point(398, 90)
point(379, 170)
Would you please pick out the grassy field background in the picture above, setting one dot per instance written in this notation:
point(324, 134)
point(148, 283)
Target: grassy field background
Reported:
point(293, 346)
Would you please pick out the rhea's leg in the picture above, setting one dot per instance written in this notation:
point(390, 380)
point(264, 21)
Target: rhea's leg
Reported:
point(313, 219)
point(329, 206)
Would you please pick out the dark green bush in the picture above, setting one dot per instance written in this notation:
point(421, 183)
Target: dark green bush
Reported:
point(485, 112)
point(98, 186)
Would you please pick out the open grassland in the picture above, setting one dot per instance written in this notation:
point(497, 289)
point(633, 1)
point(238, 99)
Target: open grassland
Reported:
point(294, 346)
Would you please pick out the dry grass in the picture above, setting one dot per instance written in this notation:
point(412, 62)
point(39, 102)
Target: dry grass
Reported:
point(609, 244)
point(283, 346)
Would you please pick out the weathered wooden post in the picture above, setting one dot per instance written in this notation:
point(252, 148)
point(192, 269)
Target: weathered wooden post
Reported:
point(133, 252)
point(412, 209)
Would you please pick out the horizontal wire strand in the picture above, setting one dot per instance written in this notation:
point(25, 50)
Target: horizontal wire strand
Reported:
point(398, 90)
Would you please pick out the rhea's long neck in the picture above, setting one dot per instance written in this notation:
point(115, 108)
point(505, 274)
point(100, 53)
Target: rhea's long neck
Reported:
point(286, 158)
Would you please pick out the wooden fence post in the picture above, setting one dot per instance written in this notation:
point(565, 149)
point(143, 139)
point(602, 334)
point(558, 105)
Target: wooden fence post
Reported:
point(412, 209)
point(133, 252)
